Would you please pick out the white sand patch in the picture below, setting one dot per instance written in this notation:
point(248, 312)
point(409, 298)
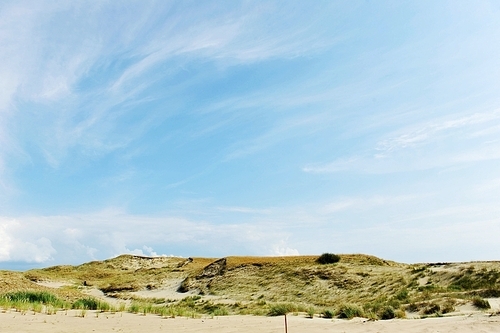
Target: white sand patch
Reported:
point(423, 281)
point(94, 292)
point(494, 303)
point(53, 284)
point(162, 293)
point(167, 291)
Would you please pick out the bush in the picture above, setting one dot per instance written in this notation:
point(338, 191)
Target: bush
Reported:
point(401, 314)
point(432, 308)
point(494, 293)
point(91, 304)
point(350, 311)
point(387, 313)
point(134, 308)
point(481, 303)
point(221, 311)
point(281, 309)
point(402, 295)
point(448, 305)
point(328, 314)
point(42, 297)
point(328, 258)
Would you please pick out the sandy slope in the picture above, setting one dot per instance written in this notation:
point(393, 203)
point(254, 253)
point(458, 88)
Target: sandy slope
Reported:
point(11, 322)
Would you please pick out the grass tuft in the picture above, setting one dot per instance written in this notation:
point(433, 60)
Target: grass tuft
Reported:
point(281, 309)
point(349, 311)
point(481, 303)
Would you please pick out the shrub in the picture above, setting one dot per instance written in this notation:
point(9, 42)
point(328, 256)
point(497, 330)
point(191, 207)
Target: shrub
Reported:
point(432, 308)
point(401, 314)
point(281, 309)
point(387, 313)
point(310, 312)
point(328, 258)
point(37, 307)
point(91, 304)
point(448, 305)
point(42, 297)
point(402, 295)
point(328, 314)
point(134, 307)
point(490, 293)
point(221, 311)
point(481, 303)
point(350, 311)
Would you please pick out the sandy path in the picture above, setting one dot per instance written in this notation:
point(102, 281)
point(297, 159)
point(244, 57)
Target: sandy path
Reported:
point(11, 322)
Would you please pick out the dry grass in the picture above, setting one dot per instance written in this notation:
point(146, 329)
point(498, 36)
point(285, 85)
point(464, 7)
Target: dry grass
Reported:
point(256, 285)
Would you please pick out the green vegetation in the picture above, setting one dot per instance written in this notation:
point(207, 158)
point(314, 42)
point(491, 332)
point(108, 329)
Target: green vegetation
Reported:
point(91, 304)
point(35, 301)
point(327, 313)
point(480, 303)
point(311, 311)
point(31, 297)
point(350, 311)
point(353, 286)
point(387, 313)
point(328, 258)
point(281, 309)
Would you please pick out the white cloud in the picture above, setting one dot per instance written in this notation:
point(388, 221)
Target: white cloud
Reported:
point(79, 238)
point(17, 247)
point(438, 130)
point(145, 251)
point(350, 224)
point(50, 51)
point(247, 210)
point(437, 144)
point(340, 164)
point(281, 249)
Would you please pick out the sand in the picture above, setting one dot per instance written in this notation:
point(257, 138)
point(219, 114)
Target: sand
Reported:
point(69, 322)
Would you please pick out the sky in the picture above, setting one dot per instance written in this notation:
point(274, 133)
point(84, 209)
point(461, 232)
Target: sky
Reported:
point(217, 128)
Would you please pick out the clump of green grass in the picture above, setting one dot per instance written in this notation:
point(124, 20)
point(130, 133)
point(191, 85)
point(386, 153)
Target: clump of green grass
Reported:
point(481, 303)
point(349, 311)
point(50, 310)
point(328, 314)
point(402, 295)
point(90, 304)
point(221, 311)
point(134, 307)
point(281, 309)
point(399, 313)
point(387, 313)
point(41, 297)
point(448, 305)
point(36, 301)
point(122, 307)
point(37, 307)
point(431, 308)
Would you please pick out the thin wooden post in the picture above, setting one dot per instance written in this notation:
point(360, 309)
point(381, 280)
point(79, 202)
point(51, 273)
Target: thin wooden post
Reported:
point(286, 325)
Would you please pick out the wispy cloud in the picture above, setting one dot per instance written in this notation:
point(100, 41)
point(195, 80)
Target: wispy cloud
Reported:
point(436, 144)
point(60, 77)
point(193, 117)
point(246, 210)
point(439, 130)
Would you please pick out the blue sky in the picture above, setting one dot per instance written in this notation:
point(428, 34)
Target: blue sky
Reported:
point(222, 128)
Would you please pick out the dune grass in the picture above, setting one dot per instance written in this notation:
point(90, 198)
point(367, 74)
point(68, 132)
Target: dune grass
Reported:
point(356, 285)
